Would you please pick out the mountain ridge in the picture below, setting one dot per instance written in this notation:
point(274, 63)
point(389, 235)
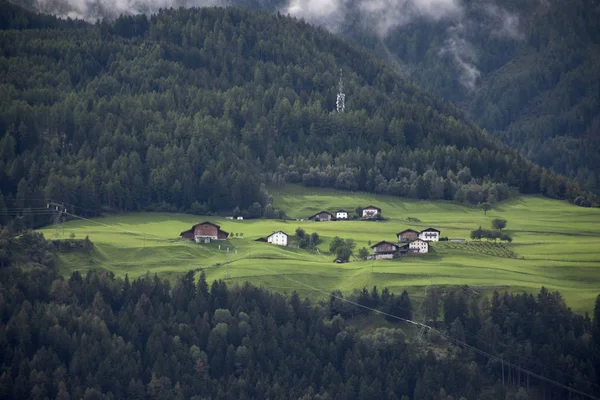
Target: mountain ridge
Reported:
point(459, 50)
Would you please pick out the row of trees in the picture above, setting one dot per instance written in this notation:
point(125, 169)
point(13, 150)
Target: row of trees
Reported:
point(307, 240)
point(492, 234)
point(96, 336)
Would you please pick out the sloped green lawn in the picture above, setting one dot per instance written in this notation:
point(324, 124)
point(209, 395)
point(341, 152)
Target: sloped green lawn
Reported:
point(555, 244)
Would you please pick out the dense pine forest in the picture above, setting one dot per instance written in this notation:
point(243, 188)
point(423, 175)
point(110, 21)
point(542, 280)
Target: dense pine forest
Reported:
point(198, 109)
point(101, 337)
point(524, 70)
point(527, 71)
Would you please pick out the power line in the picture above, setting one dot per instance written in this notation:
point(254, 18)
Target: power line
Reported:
point(450, 338)
point(20, 213)
point(425, 327)
point(115, 228)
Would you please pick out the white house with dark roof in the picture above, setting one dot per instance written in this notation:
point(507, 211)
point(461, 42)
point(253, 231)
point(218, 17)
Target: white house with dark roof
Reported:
point(371, 212)
point(419, 246)
point(279, 238)
point(430, 235)
point(341, 214)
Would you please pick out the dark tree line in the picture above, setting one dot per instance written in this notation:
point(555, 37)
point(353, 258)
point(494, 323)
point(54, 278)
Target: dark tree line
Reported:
point(102, 337)
point(194, 110)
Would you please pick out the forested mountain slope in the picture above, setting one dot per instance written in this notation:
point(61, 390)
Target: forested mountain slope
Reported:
point(531, 70)
point(524, 70)
point(195, 109)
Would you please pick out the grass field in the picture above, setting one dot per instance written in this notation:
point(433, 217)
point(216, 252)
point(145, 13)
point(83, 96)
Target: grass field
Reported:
point(556, 245)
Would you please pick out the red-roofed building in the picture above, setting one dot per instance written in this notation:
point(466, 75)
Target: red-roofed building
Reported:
point(204, 232)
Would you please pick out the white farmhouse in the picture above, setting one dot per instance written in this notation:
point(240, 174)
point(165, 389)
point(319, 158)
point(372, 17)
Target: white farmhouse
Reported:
point(279, 238)
point(371, 212)
point(430, 235)
point(419, 246)
point(341, 214)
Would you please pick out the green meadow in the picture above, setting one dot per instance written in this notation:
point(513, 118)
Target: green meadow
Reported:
point(555, 244)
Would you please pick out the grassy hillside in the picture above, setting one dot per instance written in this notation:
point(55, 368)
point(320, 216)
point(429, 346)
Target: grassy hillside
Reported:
point(555, 245)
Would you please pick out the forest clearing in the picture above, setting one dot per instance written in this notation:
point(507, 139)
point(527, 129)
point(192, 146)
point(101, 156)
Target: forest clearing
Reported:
point(555, 244)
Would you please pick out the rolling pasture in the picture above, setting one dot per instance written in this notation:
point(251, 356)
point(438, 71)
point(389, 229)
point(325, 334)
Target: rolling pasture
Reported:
point(555, 244)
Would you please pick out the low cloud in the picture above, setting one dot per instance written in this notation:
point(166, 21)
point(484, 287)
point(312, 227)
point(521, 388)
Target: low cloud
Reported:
point(328, 13)
point(380, 15)
point(92, 10)
point(463, 54)
point(504, 24)
point(383, 16)
point(386, 15)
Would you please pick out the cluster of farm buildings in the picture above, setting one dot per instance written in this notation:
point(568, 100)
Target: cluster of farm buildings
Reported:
point(409, 241)
point(370, 212)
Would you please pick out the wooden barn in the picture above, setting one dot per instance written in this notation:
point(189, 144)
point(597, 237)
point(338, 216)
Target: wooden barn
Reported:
point(204, 232)
point(321, 216)
point(384, 250)
point(407, 235)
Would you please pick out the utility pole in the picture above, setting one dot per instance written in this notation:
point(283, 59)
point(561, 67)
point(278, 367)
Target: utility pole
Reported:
point(58, 217)
point(227, 270)
point(421, 333)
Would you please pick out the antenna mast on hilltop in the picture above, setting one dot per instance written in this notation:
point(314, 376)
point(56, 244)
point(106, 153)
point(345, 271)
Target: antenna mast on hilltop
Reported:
point(340, 103)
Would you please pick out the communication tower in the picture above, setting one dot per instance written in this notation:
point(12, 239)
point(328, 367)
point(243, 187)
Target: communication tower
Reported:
point(341, 96)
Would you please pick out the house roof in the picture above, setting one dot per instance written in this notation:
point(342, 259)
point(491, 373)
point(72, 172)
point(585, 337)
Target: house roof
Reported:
point(430, 230)
point(372, 207)
point(278, 232)
point(261, 239)
point(320, 212)
point(204, 223)
point(406, 231)
point(384, 242)
point(342, 210)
